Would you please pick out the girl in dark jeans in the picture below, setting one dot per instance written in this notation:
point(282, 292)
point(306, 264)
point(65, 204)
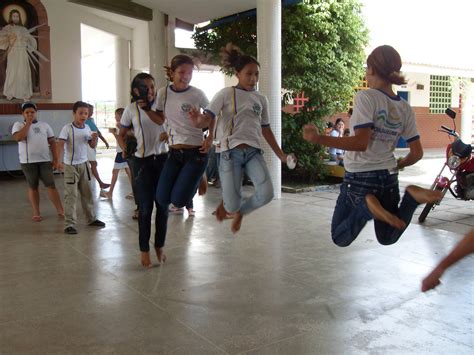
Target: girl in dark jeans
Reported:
point(187, 159)
point(370, 186)
point(148, 162)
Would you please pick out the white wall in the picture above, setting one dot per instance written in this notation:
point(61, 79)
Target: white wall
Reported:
point(140, 49)
point(65, 27)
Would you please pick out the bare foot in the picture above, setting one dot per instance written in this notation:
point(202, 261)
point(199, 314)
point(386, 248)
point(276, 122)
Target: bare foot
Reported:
point(202, 189)
point(37, 218)
point(382, 214)
point(61, 214)
point(236, 222)
point(108, 195)
point(221, 212)
point(160, 254)
point(424, 195)
point(145, 259)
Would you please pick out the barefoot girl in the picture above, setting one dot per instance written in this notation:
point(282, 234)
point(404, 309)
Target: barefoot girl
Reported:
point(370, 187)
point(150, 157)
point(245, 118)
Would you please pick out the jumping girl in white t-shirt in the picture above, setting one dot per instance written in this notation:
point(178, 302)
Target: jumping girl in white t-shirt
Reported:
point(245, 118)
point(370, 186)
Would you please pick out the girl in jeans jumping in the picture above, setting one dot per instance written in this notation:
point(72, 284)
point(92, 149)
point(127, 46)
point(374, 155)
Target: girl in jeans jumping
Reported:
point(370, 186)
point(245, 118)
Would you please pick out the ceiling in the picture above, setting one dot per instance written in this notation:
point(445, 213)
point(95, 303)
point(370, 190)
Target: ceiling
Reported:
point(197, 11)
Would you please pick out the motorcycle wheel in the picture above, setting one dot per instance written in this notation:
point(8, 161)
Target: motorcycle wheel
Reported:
point(427, 209)
point(424, 213)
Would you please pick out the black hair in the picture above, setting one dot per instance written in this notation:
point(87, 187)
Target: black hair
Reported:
point(350, 112)
point(26, 105)
point(339, 120)
point(119, 110)
point(138, 82)
point(79, 104)
point(234, 58)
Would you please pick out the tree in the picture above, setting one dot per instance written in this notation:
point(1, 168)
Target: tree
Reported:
point(323, 45)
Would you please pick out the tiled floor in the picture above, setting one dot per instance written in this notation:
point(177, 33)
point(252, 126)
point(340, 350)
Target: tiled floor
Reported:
point(278, 287)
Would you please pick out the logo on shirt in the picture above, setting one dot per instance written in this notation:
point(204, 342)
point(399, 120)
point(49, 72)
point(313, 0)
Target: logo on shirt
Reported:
point(390, 120)
point(37, 130)
point(257, 109)
point(186, 107)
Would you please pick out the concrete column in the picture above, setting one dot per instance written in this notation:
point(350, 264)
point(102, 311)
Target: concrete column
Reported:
point(466, 109)
point(269, 56)
point(158, 47)
point(122, 70)
point(171, 50)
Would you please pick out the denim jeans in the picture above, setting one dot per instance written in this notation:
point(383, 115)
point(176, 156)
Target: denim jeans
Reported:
point(146, 174)
point(180, 178)
point(351, 212)
point(233, 163)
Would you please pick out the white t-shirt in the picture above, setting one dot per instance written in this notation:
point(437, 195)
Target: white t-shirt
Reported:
point(146, 131)
point(390, 118)
point(176, 106)
point(76, 143)
point(242, 114)
point(35, 147)
point(335, 151)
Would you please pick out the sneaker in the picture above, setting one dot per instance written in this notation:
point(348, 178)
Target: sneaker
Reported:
point(176, 210)
point(191, 212)
point(70, 230)
point(97, 223)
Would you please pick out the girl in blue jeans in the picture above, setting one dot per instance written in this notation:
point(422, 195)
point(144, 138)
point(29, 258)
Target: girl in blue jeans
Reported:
point(187, 157)
point(244, 118)
point(370, 186)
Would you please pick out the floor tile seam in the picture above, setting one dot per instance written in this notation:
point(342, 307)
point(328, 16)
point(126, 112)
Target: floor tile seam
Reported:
point(149, 300)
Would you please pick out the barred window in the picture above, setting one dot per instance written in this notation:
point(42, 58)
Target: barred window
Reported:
point(440, 93)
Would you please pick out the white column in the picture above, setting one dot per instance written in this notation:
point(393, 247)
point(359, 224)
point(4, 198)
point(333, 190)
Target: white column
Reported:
point(122, 71)
point(269, 56)
point(466, 111)
point(158, 48)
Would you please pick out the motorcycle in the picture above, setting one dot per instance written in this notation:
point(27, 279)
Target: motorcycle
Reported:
point(460, 162)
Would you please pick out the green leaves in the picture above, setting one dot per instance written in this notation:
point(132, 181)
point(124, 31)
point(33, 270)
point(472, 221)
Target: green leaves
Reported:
point(323, 45)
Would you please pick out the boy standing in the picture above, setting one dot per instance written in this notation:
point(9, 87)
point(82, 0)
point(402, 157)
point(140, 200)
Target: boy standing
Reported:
point(74, 139)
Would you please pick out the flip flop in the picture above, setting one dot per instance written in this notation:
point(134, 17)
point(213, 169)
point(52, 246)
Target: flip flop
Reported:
point(37, 218)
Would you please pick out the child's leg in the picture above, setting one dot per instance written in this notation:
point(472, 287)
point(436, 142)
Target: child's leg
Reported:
point(171, 170)
point(46, 175)
point(32, 175)
point(352, 213)
point(33, 196)
point(188, 179)
point(71, 181)
point(87, 201)
point(161, 216)
point(115, 173)
point(414, 195)
point(230, 172)
point(256, 169)
point(129, 174)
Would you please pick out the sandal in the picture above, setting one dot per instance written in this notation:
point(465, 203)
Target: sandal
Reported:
point(37, 218)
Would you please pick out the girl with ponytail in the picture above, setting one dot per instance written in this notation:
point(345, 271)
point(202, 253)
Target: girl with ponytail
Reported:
point(243, 119)
point(370, 187)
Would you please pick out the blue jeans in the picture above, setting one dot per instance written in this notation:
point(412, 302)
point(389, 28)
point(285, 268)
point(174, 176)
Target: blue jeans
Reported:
point(180, 178)
point(146, 173)
point(351, 212)
point(233, 163)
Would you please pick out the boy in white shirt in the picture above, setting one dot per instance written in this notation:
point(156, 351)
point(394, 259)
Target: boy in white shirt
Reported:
point(34, 141)
point(74, 139)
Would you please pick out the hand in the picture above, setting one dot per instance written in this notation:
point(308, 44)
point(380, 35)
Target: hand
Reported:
point(195, 116)
point(55, 164)
point(432, 280)
point(94, 135)
point(107, 145)
point(310, 133)
point(144, 105)
point(59, 166)
point(124, 154)
point(164, 137)
point(206, 144)
point(400, 164)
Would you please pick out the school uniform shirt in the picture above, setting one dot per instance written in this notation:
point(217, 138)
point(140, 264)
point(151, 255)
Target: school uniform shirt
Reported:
point(389, 118)
point(242, 114)
point(146, 131)
point(35, 148)
point(76, 143)
point(335, 151)
point(176, 106)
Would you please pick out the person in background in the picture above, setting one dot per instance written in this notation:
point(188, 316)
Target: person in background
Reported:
point(35, 140)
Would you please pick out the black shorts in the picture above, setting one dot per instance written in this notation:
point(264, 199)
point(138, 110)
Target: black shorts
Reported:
point(34, 172)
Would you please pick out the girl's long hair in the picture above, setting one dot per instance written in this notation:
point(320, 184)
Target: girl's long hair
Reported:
point(386, 63)
point(234, 58)
point(177, 60)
